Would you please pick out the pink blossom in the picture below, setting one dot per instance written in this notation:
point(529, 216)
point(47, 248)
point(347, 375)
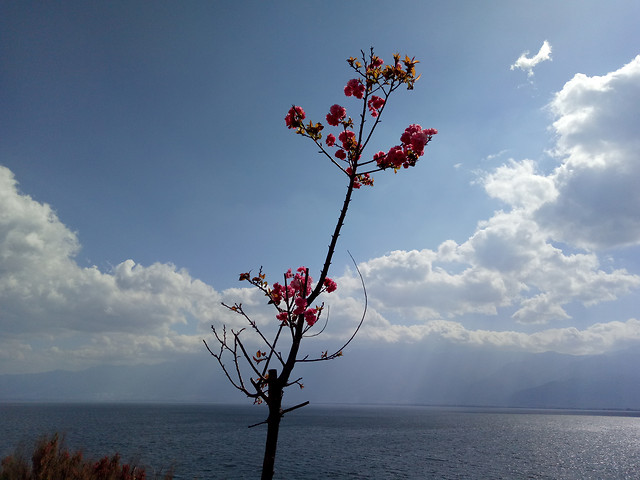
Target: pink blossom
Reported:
point(396, 157)
point(341, 154)
point(331, 140)
point(381, 159)
point(365, 179)
point(277, 293)
point(408, 132)
point(375, 103)
point(416, 138)
point(336, 115)
point(354, 87)
point(330, 285)
point(294, 117)
point(311, 316)
point(376, 62)
point(283, 316)
point(418, 141)
point(348, 139)
point(301, 304)
point(300, 280)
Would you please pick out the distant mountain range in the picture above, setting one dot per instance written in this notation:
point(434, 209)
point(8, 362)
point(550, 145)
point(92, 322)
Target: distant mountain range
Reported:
point(438, 376)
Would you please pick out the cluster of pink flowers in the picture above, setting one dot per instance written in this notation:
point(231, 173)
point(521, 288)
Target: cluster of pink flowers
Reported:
point(354, 87)
point(331, 140)
point(348, 139)
point(336, 114)
point(375, 103)
point(417, 138)
point(374, 77)
point(294, 117)
point(377, 62)
point(294, 293)
point(360, 180)
point(414, 139)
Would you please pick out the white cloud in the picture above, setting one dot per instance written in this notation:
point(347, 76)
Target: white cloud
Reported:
point(51, 306)
point(596, 124)
point(526, 64)
point(529, 259)
point(596, 339)
point(519, 185)
point(508, 262)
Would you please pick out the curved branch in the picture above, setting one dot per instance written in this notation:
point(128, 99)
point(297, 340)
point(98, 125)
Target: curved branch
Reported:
point(338, 352)
point(326, 322)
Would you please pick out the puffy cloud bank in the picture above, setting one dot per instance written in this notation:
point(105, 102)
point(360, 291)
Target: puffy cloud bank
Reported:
point(528, 261)
point(596, 125)
point(541, 252)
point(54, 312)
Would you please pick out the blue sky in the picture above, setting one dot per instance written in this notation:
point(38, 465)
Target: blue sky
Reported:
point(144, 163)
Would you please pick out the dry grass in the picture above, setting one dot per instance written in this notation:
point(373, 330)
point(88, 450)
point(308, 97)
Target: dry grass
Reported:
point(51, 460)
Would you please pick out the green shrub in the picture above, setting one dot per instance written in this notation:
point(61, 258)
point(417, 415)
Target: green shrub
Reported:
point(52, 461)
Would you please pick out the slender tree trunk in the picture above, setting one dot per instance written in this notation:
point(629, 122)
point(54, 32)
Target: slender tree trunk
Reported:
point(273, 425)
point(276, 384)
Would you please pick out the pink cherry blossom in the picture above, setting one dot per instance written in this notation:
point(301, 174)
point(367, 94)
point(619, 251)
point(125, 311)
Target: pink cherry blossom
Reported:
point(311, 316)
point(415, 138)
point(301, 305)
point(294, 117)
point(341, 154)
point(348, 139)
point(336, 115)
point(375, 103)
point(396, 157)
point(377, 62)
point(277, 293)
point(354, 87)
point(331, 140)
point(330, 285)
point(381, 159)
point(300, 281)
point(365, 179)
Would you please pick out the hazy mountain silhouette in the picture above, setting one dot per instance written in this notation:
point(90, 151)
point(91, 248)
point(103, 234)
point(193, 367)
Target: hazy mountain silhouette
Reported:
point(439, 375)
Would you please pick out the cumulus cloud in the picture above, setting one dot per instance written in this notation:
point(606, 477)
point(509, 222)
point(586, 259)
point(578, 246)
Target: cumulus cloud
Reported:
point(508, 262)
point(527, 262)
point(526, 63)
point(540, 253)
point(52, 307)
point(596, 123)
point(593, 340)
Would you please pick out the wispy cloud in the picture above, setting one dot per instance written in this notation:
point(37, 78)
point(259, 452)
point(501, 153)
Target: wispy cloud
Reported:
point(526, 63)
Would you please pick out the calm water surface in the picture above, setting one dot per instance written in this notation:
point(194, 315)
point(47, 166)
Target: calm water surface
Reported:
point(342, 442)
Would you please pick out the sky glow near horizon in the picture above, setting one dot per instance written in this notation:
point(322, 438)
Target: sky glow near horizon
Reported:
point(144, 162)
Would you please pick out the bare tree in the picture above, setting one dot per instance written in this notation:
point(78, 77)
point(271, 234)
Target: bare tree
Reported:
point(256, 375)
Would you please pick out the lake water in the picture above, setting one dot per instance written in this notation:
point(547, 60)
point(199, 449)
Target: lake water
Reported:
point(343, 442)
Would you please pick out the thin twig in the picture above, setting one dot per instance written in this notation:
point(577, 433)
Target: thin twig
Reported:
point(364, 313)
